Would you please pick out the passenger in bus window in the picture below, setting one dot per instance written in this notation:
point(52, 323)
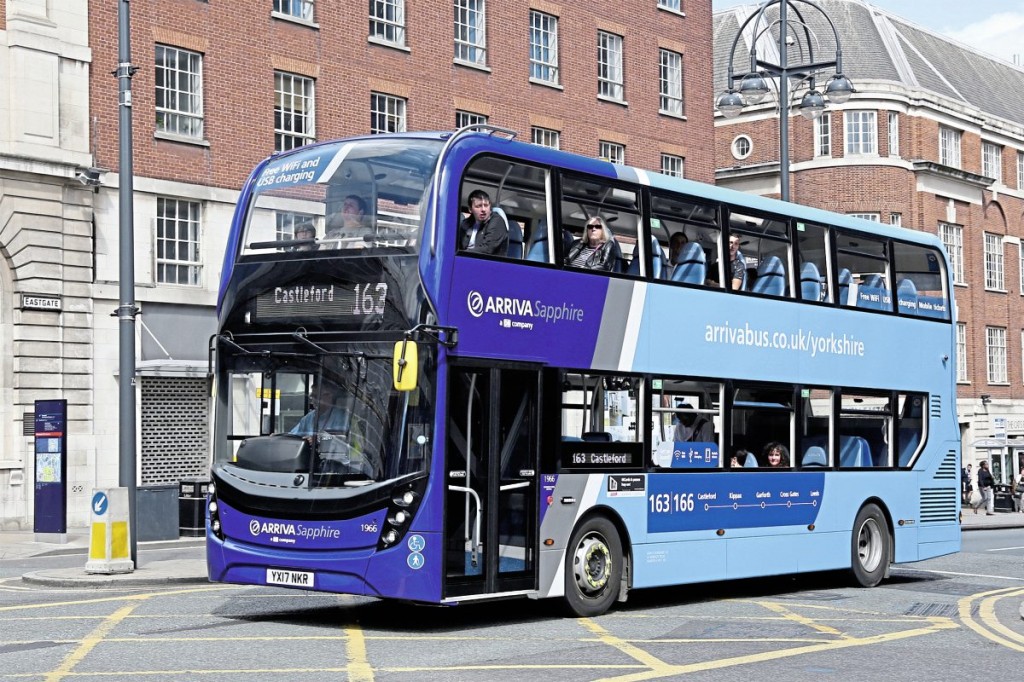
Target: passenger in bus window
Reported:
point(693, 428)
point(483, 231)
point(737, 264)
point(595, 249)
point(776, 455)
point(675, 246)
point(738, 460)
point(350, 225)
point(305, 230)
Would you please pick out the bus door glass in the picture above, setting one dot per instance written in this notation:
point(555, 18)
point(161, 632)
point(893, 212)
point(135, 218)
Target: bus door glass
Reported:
point(491, 472)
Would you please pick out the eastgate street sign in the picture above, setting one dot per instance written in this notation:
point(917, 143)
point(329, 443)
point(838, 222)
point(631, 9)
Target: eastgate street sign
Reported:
point(40, 302)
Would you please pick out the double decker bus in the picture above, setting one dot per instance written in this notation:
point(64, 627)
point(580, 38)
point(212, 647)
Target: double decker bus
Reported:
point(512, 425)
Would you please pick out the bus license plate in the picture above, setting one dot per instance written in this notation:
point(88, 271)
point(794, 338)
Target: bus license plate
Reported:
point(279, 576)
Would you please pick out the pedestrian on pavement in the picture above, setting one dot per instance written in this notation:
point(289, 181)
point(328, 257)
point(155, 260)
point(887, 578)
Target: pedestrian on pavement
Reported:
point(985, 483)
point(966, 487)
point(1018, 499)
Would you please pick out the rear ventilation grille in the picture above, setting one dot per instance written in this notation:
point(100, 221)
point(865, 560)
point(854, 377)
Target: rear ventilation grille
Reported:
point(936, 407)
point(938, 505)
point(947, 470)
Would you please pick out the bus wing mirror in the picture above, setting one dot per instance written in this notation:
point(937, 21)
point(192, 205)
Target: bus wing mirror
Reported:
point(405, 367)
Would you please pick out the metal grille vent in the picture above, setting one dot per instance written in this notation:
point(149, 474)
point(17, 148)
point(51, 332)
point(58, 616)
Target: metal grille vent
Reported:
point(947, 470)
point(28, 423)
point(175, 429)
point(938, 505)
point(936, 407)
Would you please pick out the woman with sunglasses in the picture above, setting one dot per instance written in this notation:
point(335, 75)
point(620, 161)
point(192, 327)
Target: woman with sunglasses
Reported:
point(595, 250)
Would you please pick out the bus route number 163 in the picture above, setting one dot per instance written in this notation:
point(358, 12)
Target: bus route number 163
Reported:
point(670, 503)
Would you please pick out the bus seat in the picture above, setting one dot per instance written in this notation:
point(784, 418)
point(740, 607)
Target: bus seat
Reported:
point(750, 462)
point(771, 277)
point(690, 266)
point(634, 264)
point(854, 451)
point(618, 261)
point(573, 439)
point(906, 296)
point(814, 457)
point(844, 285)
point(538, 250)
point(597, 437)
point(515, 234)
point(810, 282)
point(909, 439)
point(657, 259)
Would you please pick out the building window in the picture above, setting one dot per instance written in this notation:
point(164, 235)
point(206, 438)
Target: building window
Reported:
point(952, 237)
point(543, 47)
point(894, 134)
point(993, 262)
point(873, 217)
point(609, 66)
point(674, 5)
point(961, 353)
point(861, 133)
point(545, 137)
point(823, 135)
point(293, 111)
point(992, 161)
point(1020, 170)
point(949, 147)
point(468, 118)
point(995, 342)
point(387, 114)
point(672, 165)
point(179, 92)
point(177, 242)
point(300, 9)
point(470, 32)
point(612, 151)
point(895, 218)
point(286, 221)
point(387, 21)
point(670, 83)
point(742, 146)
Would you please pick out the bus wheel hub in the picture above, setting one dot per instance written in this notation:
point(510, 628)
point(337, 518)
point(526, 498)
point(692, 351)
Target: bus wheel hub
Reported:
point(593, 565)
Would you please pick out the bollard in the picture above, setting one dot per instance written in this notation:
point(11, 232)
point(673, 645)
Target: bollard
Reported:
point(109, 533)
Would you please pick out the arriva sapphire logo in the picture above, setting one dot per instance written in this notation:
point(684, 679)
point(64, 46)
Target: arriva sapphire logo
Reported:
point(475, 303)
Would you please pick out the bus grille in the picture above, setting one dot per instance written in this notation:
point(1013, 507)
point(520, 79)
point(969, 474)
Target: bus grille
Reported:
point(936, 407)
point(947, 468)
point(938, 505)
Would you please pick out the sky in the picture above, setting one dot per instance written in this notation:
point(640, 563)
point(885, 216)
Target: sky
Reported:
point(995, 27)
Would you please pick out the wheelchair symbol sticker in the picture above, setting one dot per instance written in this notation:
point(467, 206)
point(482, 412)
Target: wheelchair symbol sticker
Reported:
point(416, 543)
point(415, 561)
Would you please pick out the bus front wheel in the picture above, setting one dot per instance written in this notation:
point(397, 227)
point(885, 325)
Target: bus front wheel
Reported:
point(593, 568)
point(870, 546)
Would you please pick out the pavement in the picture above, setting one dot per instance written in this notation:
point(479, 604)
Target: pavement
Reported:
point(15, 545)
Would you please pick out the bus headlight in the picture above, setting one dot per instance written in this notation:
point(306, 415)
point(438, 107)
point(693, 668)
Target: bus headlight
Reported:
point(390, 537)
point(405, 502)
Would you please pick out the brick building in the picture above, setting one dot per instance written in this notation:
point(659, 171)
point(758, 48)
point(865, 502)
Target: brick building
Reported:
point(221, 84)
point(932, 139)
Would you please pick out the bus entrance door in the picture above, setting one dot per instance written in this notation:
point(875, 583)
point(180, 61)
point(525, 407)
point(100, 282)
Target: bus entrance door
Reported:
point(491, 504)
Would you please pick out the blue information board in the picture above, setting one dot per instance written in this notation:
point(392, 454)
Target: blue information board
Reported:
point(51, 466)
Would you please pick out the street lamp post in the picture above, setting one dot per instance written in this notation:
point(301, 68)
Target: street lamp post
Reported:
point(754, 84)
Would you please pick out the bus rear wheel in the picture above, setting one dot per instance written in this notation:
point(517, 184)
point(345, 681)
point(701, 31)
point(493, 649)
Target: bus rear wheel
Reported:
point(593, 568)
point(870, 546)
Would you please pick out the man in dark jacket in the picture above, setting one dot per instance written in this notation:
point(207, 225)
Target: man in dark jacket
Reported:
point(985, 483)
point(483, 231)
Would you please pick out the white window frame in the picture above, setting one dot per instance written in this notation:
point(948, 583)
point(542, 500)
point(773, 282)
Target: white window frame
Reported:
point(873, 217)
point(949, 146)
point(1020, 250)
point(612, 151)
point(294, 111)
point(177, 244)
point(285, 221)
point(994, 262)
point(387, 113)
point(470, 25)
point(610, 81)
point(670, 83)
point(546, 137)
point(671, 5)
point(299, 9)
point(1020, 170)
point(952, 236)
point(962, 377)
point(995, 354)
point(742, 147)
point(468, 118)
point(895, 218)
point(992, 161)
point(387, 21)
point(543, 47)
point(823, 134)
point(894, 133)
point(861, 132)
point(673, 165)
point(179, 111)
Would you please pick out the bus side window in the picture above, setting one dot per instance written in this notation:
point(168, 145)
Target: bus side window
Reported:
point(920, 282)
point(587, 200)
point(688, 232)
point(517, 195)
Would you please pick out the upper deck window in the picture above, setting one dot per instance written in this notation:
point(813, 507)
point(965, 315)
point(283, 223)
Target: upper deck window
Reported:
point(863, 276)
point(586, 201)
point(358, 195)
point(764, 251)
point(920, 281)
point(688, 235)
point(511, 200)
